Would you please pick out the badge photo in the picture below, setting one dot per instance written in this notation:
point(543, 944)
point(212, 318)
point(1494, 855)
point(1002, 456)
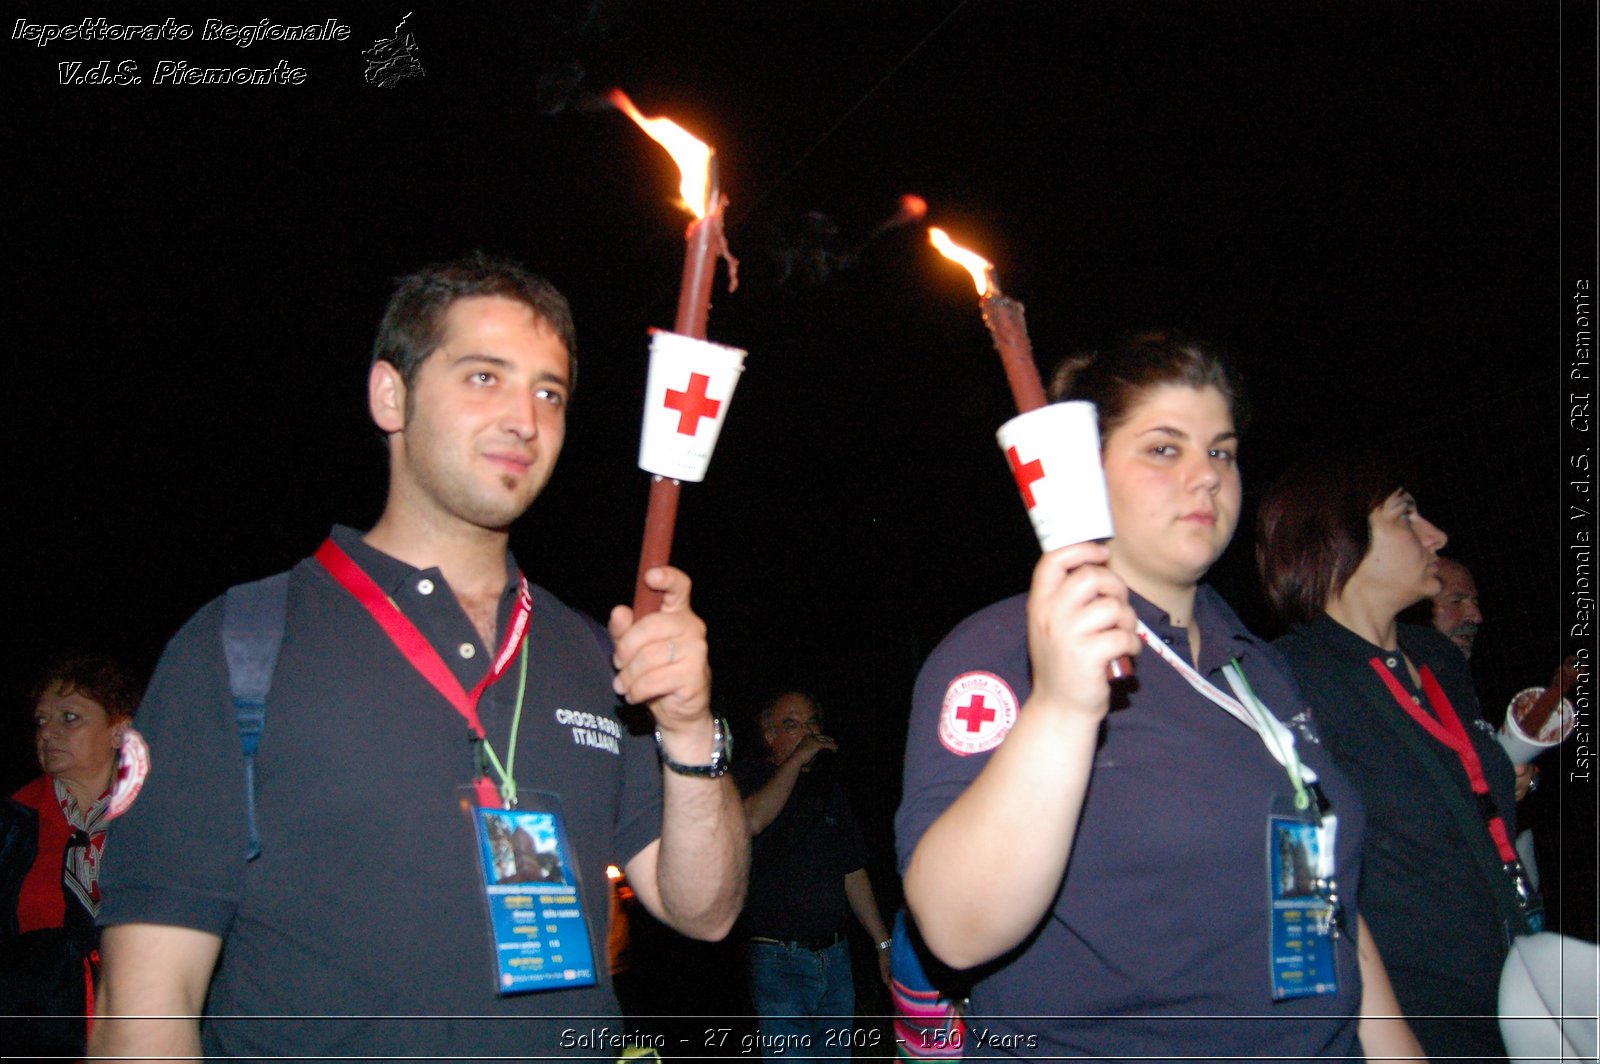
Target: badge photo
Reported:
point(540, 934)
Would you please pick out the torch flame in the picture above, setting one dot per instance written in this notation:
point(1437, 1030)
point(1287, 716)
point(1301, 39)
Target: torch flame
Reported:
point(692, 156)
point(971, 261)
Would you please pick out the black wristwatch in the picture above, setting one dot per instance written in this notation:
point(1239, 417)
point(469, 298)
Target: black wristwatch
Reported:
point(721, 753)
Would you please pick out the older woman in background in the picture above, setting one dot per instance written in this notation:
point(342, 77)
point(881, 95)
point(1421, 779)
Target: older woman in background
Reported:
point(1343, 550)
point(52, 833)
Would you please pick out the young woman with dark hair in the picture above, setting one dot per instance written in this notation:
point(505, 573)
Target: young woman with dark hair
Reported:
point(1153, 868)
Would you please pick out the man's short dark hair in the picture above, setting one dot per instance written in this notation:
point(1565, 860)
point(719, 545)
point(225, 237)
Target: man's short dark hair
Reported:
point(1314, 528)
point(413, 322)
point(96, 677)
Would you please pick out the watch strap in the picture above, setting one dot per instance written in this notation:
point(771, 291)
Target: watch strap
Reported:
point(721, 754)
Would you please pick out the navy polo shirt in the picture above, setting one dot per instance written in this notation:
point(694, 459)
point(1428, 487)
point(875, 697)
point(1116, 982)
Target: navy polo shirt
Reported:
point(1157, 944)
point(365, 907)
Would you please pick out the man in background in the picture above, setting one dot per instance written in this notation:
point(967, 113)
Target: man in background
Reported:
point(1455, 607)
point(808, 872)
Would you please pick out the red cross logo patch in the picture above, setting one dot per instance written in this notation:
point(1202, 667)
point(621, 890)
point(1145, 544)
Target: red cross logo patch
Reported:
point(979, 709)
point(133, 765)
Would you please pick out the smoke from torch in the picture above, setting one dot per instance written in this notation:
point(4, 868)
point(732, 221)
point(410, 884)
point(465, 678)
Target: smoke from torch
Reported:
point(813, 250)
point(912, 209)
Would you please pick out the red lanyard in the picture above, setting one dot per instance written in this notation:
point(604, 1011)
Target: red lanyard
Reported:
point(1449, 730)
point(421, 653)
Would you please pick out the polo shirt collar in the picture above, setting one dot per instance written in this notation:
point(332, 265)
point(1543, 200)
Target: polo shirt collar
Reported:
point(1341, 640)
point(1223, 636)
point(397, 578)
point(1351, 648)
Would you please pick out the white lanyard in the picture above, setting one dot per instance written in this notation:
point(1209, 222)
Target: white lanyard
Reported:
point(1279, 740)
point(1247, 708)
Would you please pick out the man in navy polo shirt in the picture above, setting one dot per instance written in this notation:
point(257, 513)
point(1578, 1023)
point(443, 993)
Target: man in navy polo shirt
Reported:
point(433, 720)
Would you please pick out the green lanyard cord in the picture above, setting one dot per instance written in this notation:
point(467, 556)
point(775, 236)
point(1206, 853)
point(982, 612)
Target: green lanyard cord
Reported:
point(1289, 757)
point(508, 782)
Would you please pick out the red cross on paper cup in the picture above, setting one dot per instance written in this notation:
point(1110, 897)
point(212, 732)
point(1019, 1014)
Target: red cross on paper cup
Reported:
point(1054, 456)
point(686, 399)
point(692, 405)
point(1025, 474)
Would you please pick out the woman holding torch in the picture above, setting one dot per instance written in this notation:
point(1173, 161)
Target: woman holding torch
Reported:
point(1343, 550)
point(1162, 866)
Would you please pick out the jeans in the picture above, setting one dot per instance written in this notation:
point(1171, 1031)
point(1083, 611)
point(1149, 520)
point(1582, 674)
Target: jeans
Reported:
point(806, 999)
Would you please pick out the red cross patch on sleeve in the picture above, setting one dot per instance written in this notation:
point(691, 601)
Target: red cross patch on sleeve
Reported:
point(979, 709)
point(133, 765)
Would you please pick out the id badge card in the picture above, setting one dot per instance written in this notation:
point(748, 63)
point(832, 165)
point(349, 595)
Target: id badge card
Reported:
point(1299, 874)
point(540, 935)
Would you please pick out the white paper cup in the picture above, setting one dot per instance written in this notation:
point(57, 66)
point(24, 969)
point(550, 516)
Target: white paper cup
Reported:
point(1523, 748)
point(1054, 456)
point(686, 399)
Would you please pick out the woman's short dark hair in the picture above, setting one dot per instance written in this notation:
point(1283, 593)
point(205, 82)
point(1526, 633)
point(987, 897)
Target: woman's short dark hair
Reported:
point(1314, 527)
point(413, 322)
point(1115, 379)
point(97, 678)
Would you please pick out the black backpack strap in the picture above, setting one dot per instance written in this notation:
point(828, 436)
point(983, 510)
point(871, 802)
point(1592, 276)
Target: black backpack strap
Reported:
point(253, 619)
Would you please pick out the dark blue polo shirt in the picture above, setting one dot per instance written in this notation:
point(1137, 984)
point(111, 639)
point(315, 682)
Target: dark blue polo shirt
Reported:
point(365, 908)
point(1158, 943)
